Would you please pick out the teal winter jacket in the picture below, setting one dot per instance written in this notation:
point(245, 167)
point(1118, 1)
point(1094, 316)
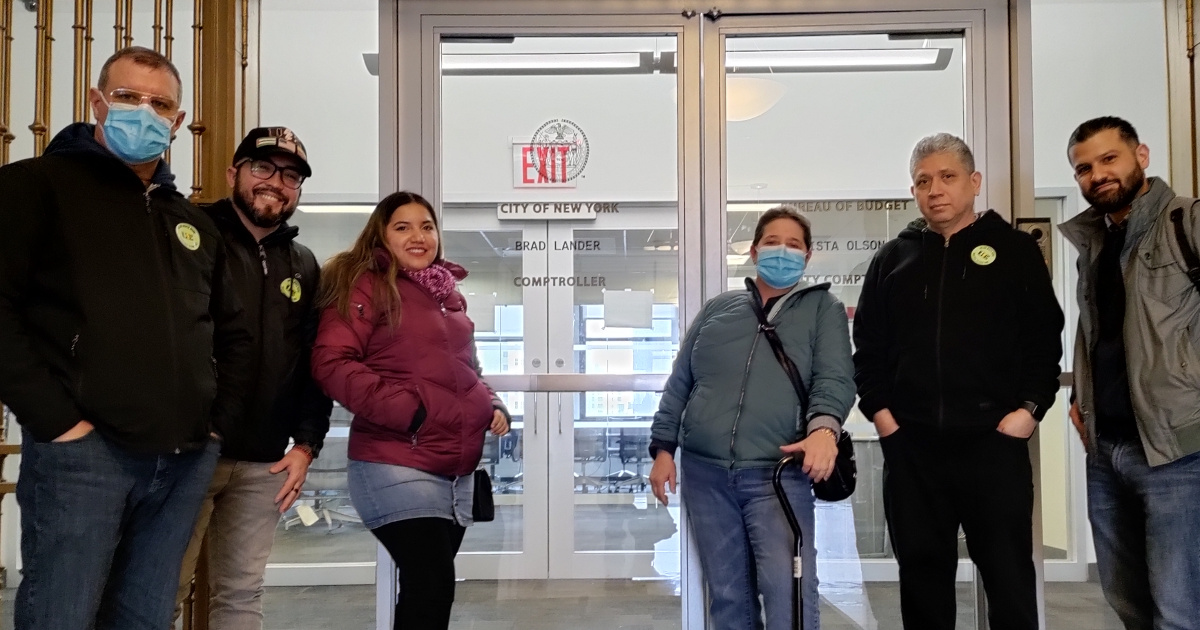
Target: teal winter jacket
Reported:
point(729, 402)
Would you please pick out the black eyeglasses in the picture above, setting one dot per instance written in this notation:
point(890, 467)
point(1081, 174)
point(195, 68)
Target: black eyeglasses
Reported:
point(265, 169)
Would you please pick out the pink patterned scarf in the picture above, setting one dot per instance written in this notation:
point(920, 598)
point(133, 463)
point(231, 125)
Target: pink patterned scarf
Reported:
point(435, 279)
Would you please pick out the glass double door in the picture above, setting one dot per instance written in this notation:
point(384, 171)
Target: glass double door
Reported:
point(595, 242)
point(601, 176)
point(576, 326)
point(569, 226)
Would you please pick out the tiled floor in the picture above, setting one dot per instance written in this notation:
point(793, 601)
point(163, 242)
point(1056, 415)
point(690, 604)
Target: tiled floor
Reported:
point(606, 605)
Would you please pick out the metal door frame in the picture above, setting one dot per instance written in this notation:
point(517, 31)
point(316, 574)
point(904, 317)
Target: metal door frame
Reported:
point(410, 125)
point(975, 102)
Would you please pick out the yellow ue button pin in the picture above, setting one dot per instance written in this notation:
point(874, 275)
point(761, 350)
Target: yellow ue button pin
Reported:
point(291, 288)
point(983, 255)
point(188, 235)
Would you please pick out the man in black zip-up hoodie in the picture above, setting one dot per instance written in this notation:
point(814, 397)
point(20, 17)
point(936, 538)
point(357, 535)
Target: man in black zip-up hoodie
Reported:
point(258, 477)
point(958, 337)
point(124, 357)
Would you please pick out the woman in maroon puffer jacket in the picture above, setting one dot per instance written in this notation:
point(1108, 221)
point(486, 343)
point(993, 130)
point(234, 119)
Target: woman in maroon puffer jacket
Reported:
point(396, 348)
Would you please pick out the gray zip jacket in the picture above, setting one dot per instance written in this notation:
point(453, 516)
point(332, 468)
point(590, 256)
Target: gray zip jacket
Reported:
point(1162, 322)
point(728, 402)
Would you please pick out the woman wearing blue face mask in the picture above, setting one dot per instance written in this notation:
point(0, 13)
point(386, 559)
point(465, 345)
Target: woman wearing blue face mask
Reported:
point(730, 409)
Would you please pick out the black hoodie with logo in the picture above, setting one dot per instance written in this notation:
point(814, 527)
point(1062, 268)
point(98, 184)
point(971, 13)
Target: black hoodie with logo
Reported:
point(277, 280)
point(957, 333)
point(115, 305)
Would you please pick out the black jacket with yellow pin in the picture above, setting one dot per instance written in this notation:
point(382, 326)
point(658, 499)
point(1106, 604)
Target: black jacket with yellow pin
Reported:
point(958, 333)
point(277, 280)
point(115, 305)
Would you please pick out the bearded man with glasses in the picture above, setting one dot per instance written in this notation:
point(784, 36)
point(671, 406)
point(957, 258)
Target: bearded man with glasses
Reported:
point(258, 477)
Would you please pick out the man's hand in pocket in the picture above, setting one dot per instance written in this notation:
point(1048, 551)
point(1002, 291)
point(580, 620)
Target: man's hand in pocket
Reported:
point(76, 432)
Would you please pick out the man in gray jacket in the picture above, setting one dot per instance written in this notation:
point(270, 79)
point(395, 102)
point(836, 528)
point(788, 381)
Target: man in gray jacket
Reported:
point(1136, 402)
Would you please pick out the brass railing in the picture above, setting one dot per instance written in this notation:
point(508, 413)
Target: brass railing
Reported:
point(197, 127)
point(168, 38)
point(128, 39)
point(42, 61)
point(119, 23)
point(6, 40)
point(83, 78)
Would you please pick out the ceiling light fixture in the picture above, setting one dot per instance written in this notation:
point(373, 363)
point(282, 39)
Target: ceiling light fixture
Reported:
point(535, 61)
point(844, 59)
point(740, 247)
point(747, 97)
point(750, 97)
point(335, 209)
point(746, 61)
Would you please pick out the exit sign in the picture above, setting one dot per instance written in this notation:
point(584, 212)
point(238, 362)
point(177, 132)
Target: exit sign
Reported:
point(541, 165)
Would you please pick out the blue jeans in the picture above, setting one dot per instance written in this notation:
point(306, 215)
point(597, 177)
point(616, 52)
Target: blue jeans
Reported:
point(1145, 522)
point(103, 533)
point(746, 546)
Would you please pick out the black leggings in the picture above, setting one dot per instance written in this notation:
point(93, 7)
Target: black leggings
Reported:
point(424, 550)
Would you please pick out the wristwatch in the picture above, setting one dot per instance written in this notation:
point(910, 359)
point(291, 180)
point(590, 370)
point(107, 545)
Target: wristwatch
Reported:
point(1034, 409)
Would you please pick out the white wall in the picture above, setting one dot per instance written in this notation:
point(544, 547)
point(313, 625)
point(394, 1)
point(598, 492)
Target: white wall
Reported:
point(314, 82)
point(1095, 58)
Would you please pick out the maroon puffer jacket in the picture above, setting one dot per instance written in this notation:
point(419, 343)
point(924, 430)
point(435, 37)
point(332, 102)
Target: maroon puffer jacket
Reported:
point(385, 376)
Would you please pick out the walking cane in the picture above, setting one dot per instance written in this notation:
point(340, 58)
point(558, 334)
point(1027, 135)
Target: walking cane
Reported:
point(797, 564)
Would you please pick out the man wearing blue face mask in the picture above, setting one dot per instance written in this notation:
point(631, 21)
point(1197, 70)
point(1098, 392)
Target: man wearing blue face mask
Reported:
point(125, 357)
point(958, 336)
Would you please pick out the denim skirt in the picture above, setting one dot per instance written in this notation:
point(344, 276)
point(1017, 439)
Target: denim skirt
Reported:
point(386, 493)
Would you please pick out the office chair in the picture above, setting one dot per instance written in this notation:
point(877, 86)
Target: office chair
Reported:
point(514, 447)
point(328, 486)
point(633, 447)
point(591, 446)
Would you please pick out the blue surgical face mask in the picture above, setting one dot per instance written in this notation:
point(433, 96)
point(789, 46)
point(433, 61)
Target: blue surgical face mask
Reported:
point(135, 133)
point(780, 266)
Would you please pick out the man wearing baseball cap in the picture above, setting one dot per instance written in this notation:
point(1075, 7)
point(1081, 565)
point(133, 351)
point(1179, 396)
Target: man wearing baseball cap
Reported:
point(258, 477)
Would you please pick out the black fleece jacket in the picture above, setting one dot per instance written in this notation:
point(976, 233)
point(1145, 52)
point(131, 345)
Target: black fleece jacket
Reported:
point(277, 280)
point(115, 305)
point(957, 333)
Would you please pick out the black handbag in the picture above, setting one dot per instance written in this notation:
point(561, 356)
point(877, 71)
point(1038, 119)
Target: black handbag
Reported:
point(840, 484)
point(483, 507)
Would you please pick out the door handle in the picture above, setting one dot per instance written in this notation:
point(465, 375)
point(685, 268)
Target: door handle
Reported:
point(535, 414)
point(560, 397)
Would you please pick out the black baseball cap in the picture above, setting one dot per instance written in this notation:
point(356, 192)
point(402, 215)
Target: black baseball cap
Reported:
point(266, 141)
